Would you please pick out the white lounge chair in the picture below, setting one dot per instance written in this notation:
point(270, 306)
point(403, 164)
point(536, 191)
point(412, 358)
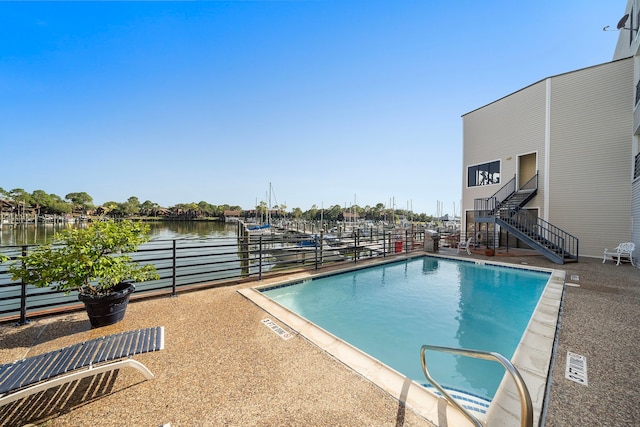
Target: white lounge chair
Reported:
point(622, 251)
point(465, 245)
point(34, 374)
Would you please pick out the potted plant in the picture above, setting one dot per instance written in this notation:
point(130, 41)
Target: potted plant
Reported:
point(94, 262)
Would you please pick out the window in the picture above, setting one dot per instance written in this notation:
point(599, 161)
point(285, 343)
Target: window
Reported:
point(484, 174)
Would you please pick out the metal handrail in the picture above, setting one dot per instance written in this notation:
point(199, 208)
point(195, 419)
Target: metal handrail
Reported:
point(526, 407)
point(505, 191)
point(551, 233)
point(532, 184)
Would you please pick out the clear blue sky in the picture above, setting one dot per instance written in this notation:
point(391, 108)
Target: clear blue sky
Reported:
point(329, 101)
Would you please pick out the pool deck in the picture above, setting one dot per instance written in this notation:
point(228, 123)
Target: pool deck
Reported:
point(222, 366)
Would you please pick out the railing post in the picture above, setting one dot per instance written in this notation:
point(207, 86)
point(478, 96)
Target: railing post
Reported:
point(174, 268)
point(260, 258)
point(384, 244)
point(355, 245)
point(23, 297)
point(315, 253)
point(321, 259)
point(406, 241)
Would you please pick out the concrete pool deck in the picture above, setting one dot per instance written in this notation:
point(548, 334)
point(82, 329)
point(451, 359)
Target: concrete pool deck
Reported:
point(222, 366)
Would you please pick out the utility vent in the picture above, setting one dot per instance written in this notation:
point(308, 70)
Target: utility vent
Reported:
point(277, 329)
point(575, 277)
point(576, 368)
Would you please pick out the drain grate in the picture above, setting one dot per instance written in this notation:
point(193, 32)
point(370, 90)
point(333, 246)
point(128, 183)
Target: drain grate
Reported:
point(576, 368)
point(277, 329)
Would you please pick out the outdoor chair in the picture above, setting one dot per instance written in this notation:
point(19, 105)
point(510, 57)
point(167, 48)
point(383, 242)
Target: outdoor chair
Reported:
point(465, 245)
point(622, 251)
point(34, 374)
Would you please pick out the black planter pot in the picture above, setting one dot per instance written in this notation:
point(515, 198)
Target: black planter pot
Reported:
point(107, 309)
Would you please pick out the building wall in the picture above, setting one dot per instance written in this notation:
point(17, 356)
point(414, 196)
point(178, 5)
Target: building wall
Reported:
point(635, 211)
point(628, 41)
point(584, 120)
point(590, 147)
point(502, 130)
point(628, 45)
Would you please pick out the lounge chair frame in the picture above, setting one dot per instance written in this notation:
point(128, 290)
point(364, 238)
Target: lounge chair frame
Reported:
point(465, 245)
point(37, 373)
point(622, 251)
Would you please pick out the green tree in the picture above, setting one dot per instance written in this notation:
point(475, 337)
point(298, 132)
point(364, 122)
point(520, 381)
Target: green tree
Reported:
point(113, 209)
point(312, 213)
point(20, 196)
point(131, 206)
point(149, 208)
point(334, 213)
point(42, 201)
point(81, 201)
point(262, 208)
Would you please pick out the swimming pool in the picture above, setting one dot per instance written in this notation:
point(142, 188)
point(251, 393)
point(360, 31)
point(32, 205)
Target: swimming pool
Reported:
point(390, 311)
point(532, 356)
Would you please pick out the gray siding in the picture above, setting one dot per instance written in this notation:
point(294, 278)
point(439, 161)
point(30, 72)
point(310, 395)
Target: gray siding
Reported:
point(589, 168)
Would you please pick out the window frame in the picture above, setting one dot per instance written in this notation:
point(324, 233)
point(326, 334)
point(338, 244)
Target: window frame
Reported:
point(487, 167)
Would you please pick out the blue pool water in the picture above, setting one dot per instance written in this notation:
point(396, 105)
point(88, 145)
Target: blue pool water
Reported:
point(390, 311)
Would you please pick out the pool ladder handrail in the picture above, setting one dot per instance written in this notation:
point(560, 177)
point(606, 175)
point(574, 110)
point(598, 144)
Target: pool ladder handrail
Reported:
point(526, 407)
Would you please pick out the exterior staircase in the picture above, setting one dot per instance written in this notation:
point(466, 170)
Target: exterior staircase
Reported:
point(505, 208)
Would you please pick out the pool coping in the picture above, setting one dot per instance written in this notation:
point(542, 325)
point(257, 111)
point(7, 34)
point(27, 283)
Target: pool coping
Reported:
point(533, 356)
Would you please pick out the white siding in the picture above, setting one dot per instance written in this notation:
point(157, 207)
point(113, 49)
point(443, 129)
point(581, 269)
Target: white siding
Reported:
point(589, 168)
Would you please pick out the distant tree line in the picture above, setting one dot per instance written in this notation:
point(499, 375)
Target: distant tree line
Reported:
point(81, 203)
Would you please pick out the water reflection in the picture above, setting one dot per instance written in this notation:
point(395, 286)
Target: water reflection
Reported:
point(32, 234)
point(191, 229)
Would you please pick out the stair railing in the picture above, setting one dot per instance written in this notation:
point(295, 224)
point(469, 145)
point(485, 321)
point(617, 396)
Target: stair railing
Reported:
point(549, 235)
point(532, 184)
point(526, 407)
point(508, 189)
point(484, 208)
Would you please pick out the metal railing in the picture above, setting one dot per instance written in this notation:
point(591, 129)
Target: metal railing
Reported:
point(188, 263)
point(526, 407)
point(530, 185)
point(543, 232)
point(505, 191)
point(486, 207)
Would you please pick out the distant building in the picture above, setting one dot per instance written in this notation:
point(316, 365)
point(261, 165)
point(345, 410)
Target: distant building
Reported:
point(231, 215)
point(350, 216)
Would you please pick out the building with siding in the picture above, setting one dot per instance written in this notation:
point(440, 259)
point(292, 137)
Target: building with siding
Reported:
point(629, 46)
point(555, 161)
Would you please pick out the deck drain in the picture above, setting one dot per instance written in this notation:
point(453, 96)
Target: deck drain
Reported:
point(576, 368)
point(277, 329)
